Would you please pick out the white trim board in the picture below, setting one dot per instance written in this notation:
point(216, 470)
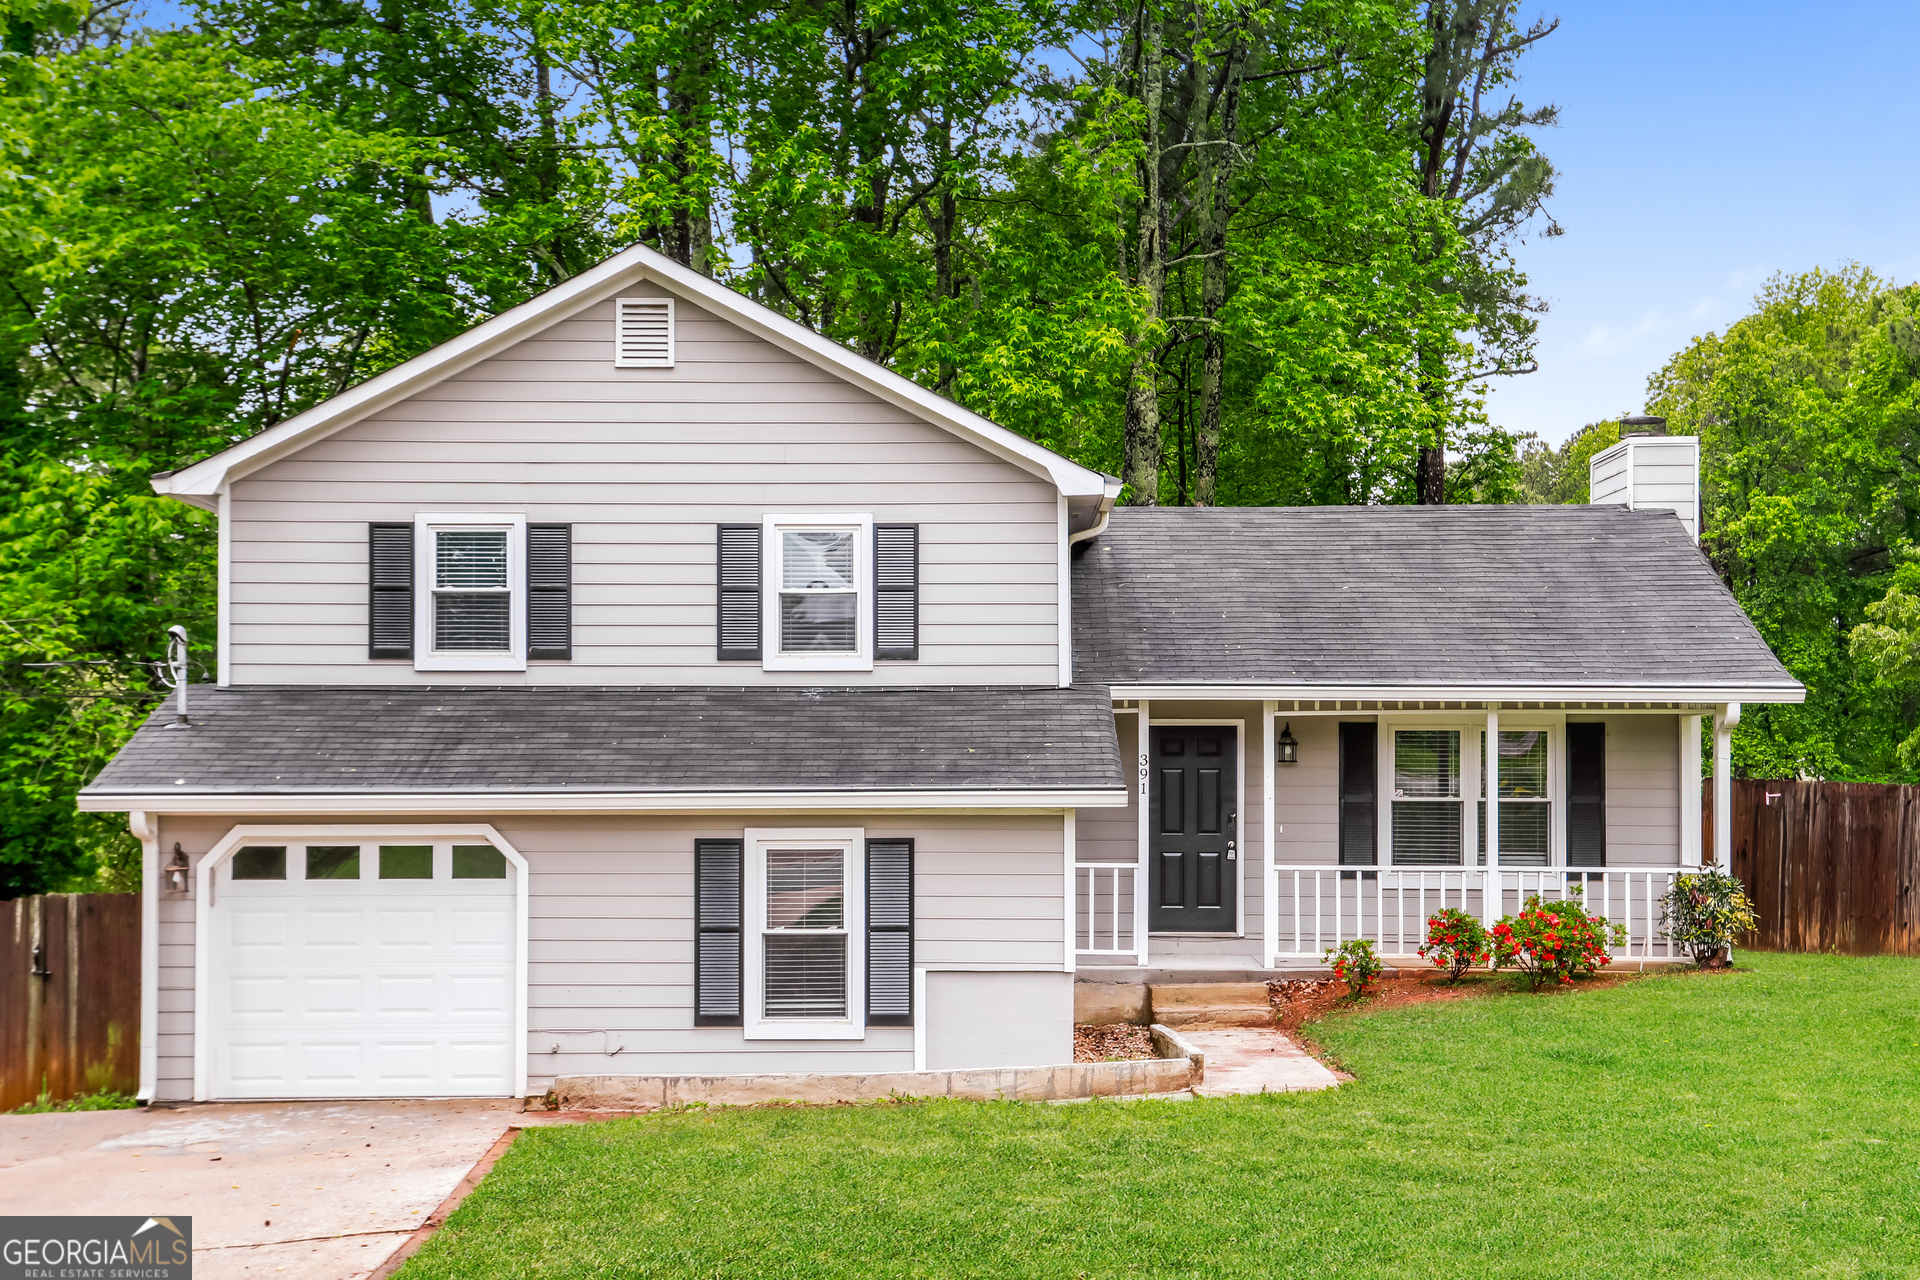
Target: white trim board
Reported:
point(204, 904)
point(1475, 693)
point(929, 801)
point(197, 484)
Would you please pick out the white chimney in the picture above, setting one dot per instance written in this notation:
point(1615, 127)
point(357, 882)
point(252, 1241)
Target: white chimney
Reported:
point(1647, 472)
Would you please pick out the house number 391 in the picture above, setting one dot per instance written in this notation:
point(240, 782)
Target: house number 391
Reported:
point(1143, 773)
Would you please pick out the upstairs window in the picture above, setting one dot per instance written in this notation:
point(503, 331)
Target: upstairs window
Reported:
point(471, 614)
point(819, 582)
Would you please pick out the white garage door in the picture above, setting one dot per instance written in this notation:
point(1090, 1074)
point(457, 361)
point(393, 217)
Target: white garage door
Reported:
point(346, 970)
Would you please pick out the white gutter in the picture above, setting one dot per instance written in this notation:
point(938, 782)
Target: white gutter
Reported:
point(503, 802)
point(1477, 693)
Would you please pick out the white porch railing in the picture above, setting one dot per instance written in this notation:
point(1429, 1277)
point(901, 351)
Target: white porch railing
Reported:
point(1321, 906)
point(1103, 895)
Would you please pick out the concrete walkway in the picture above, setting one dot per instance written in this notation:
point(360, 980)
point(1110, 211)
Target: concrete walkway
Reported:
point(1248, 1060)
point(319, 1190)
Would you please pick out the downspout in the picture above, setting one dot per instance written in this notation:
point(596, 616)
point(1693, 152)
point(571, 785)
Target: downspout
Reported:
point(144, 830)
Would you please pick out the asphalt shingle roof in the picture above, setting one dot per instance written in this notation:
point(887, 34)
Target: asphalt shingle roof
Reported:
point(276, 739)
point(1573, 595)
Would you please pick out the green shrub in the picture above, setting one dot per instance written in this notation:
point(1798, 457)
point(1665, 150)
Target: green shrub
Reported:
point(1703, 912)
point(1355, 964)
point(1456, 940)
point(1552, 941)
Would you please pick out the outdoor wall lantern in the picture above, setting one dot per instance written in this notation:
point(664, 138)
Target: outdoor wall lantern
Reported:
point(1289, 752)
point(177, 870)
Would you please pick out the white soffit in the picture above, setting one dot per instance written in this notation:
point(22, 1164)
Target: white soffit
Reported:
point(516, 802)
point(199, 483)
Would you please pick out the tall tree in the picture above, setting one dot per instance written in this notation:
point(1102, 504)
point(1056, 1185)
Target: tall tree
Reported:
point(1474, 156)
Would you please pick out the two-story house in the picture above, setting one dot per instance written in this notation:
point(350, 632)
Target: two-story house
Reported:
point(641, 682)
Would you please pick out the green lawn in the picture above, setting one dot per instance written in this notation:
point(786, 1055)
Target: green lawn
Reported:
point(1764, 1123)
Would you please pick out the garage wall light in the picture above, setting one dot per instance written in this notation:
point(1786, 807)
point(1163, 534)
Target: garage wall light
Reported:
point(177, 870)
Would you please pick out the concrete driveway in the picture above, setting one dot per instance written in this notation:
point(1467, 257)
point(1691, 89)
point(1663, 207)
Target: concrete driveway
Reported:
point(319, 1190)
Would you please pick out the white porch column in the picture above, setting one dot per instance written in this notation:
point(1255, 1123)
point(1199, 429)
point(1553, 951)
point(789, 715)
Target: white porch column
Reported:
point(1490, 896)
point(1270, 878)
point(1140, 877)
point(1724, 721)
point(1689, 791)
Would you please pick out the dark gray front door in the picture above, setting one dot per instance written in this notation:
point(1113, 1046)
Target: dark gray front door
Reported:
point(1192, 857)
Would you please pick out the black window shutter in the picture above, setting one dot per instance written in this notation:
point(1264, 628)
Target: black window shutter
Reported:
point(896, 592)
point(889, 933)
point(1359, 803)
point(550, 591)
point(718, 882)
point(739, 622)
point(390, 598)
point(1586, 795)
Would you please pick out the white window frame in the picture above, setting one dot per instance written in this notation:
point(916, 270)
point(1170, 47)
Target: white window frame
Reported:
point(1556, 782)
point(425, 549)
point(1385, 798)
point(861, 658)
point(1472, 765)
point(853, 843)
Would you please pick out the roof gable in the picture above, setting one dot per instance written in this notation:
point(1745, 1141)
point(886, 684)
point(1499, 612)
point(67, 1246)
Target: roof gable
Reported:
point(202, 481)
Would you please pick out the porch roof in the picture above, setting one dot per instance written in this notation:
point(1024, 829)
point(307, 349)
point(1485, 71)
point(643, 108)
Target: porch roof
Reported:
point(1583, 600)
point(262, 740)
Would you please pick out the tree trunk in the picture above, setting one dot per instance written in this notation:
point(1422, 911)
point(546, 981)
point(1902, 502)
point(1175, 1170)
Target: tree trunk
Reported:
point(1141, 449)
point(1218, 164)
point(688, 97)
point(1430, 476)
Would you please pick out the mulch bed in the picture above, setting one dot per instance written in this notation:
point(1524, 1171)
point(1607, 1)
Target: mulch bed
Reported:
point(1105, 1044)
point(1302, 1000)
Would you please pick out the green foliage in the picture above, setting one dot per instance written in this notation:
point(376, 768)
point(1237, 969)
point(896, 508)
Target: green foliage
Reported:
point(1456, 941)
point(1808, 413)
point(1554, 941)
point(103, 1101)
point(1757, 1124)
point(1705, 911)
point(1562, 476)
point(1354, 963)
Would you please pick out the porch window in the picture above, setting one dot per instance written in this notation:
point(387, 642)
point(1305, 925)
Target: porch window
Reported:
point(820, 583)
point(1426, 798)
point(1526, 809)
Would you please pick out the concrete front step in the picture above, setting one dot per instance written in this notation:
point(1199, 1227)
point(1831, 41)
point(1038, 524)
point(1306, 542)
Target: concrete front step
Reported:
point(1219, 1004)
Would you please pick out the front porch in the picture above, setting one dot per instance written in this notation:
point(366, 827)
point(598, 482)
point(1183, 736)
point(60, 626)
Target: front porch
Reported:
point(1325, 829)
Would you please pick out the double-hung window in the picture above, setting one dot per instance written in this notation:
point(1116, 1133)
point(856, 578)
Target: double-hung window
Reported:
point(1526, 808)
point(470, 604)
point(1426, 810)
point(805, 913)
point(819, 582)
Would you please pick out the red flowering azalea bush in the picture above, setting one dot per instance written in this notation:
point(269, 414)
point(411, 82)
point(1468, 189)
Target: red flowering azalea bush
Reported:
point(1456, 941)
point(1552, 941)
point(1355, 964)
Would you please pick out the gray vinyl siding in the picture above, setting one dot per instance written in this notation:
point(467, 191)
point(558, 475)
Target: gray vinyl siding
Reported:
point(1643, 791)
point(644, 463)
point(610, 934)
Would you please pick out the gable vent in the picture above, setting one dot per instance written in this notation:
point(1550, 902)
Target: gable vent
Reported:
point(643, 333)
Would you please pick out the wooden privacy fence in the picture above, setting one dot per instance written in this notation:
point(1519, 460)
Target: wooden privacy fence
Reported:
point(69, 996)
point(1830, 866)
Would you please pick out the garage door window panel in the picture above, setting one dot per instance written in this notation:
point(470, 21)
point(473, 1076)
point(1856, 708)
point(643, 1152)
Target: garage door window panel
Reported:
point(260, 862)
point(333, 862)
point(406, 862)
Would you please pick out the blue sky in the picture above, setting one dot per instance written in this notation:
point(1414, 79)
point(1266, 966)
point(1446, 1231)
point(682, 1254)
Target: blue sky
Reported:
point(1705, 145)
